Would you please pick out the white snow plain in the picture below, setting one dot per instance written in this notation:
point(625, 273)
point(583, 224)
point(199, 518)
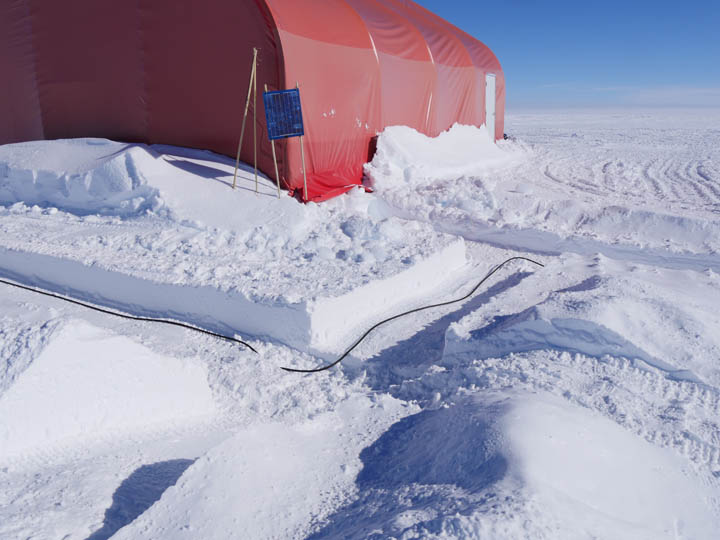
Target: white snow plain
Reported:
point(577, 400)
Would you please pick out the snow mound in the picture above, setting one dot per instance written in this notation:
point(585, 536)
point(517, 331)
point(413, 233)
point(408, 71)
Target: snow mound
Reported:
point(406, 157)
point(594, 475)
point(109, 178)
point(278, 478)
point(519, 465)
point(90, 384)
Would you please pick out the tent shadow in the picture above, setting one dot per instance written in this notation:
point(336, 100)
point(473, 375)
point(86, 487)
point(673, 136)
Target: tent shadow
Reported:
point(219, 175)
point(196, 168)
point(138, 492)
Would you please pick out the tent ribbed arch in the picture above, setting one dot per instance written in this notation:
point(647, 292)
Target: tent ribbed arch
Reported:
point(404, 62)
point(453, 96)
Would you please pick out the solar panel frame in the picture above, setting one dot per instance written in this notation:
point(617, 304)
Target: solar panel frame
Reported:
point(283, 113)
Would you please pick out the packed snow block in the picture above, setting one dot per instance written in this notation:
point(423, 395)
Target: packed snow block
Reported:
point(226, 312)
point(408, 159)
point(322, 323)
point(333, 317)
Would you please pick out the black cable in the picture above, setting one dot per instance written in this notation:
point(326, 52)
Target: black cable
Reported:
point(468, 295)
point(127, 316)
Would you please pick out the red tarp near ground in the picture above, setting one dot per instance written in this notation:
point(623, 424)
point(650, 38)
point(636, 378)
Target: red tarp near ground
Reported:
point(176, 72)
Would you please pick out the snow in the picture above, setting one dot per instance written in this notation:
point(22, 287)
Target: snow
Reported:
point(88, 384)
point(577, 400)
point(272, 270)
point(93, 176)
point(292, 471)
point(671, 316)
point(642, 180)
point(407, 158)
point(474, 456)
point(628, 489)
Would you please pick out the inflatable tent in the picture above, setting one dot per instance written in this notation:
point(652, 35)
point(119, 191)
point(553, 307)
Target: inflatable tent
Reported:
point(177, 71)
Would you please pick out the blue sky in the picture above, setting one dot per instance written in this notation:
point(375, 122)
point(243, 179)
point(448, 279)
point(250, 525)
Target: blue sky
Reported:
point(592, 53)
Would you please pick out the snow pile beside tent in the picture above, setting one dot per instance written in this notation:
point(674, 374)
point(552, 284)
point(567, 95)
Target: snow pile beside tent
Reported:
point(108, 178)
point(407, 158)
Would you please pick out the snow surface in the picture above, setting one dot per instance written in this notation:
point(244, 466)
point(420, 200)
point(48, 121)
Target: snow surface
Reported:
point(578, 400)
point(106, 384)
point(237, 261)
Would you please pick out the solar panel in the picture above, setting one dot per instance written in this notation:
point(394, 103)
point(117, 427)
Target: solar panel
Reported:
point(283, 114)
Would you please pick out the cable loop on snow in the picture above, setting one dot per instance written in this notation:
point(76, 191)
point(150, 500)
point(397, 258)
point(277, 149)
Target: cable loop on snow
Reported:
point(360, 340)
point(128, 316)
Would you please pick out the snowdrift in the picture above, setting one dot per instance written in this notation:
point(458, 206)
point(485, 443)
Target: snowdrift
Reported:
point(550, 470)
point(598, 309)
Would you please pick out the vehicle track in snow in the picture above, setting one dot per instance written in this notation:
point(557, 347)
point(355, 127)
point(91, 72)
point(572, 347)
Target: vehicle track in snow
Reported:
point(674, 183)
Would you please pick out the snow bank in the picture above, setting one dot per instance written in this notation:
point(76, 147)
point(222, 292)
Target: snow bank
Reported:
point(89, 384)
point(106, 178)
point(98, 176)
point(323, 322)
point(333, 319)
point(407, 158)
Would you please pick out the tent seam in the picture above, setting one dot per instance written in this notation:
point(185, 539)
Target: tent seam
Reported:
point(432, 61)
point(143, 75)
point(377, 57)
point(28, 5)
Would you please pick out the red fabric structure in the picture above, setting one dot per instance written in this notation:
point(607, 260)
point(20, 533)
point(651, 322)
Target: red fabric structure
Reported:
point(176, 72)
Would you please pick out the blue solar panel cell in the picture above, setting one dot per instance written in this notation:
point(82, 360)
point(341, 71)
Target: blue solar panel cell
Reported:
point(283, 114)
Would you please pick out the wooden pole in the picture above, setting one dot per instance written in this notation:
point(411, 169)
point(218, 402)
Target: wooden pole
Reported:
point(277, 173)
point(247, 106)
point(302, 153)
point(255, 127)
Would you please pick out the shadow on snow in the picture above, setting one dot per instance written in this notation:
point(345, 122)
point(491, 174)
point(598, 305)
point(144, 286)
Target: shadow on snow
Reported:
point(138, 492)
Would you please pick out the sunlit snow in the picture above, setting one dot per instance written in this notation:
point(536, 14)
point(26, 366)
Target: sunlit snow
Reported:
point(580, 400)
